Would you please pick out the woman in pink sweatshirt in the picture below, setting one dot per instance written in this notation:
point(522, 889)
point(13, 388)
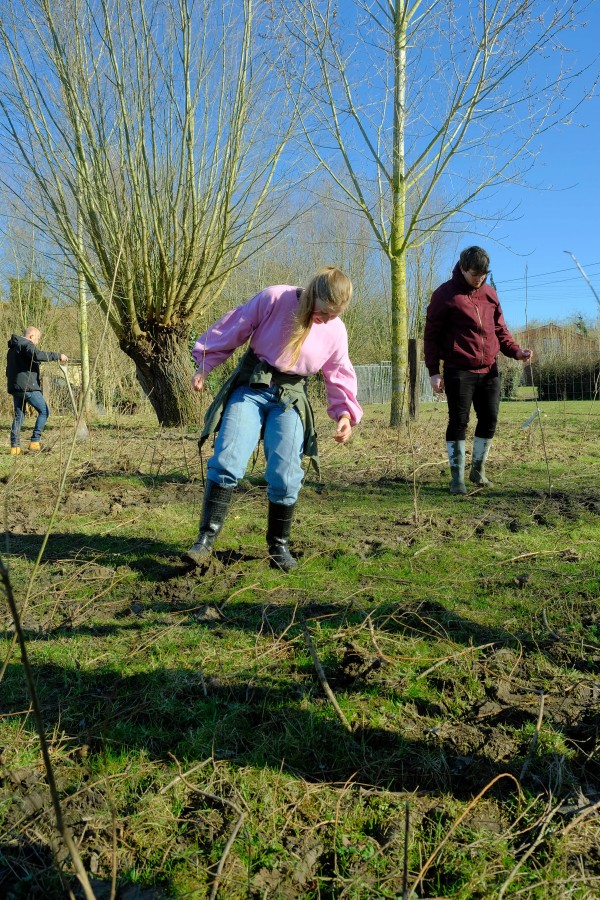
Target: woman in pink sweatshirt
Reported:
point(292, 333)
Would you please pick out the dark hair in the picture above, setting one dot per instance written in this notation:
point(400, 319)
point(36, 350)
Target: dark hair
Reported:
point(475, 259)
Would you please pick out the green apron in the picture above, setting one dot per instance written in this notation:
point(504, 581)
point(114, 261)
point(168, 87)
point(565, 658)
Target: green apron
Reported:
point(291, 391)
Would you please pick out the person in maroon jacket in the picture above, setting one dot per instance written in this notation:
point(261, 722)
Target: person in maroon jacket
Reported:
point(466, 330)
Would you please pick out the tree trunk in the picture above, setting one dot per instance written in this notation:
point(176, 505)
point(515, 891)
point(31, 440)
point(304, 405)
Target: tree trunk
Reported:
point(164, 369)
point(399, 351)
point(84, 344)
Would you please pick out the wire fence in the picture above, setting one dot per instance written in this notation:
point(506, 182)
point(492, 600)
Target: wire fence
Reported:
point(572, 384)
point(574, 381)
point(375, 383)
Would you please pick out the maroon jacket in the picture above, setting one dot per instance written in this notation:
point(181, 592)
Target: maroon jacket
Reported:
point(465, 327)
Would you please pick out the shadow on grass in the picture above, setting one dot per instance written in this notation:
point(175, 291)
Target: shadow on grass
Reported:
point(279, 720)
point(583, 499)
point(277, 725)
point(156, 560)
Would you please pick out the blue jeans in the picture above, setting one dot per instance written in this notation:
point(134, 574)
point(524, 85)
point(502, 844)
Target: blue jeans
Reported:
point(35, 399)
point(249, 411)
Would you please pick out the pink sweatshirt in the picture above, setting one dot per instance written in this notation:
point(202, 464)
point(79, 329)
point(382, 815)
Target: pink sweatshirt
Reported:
point(266, 320)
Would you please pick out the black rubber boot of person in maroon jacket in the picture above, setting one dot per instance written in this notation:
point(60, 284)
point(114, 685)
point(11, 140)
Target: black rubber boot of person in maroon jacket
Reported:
point(456, 457)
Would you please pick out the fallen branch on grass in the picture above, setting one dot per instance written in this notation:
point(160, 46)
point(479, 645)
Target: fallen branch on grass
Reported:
point(451, 831)
point(535, 553)
point(323, 677)
point(445, 659)
point(180, 776)
point(224, 855)
point(382, 656)
point(552, 634)
point(231, 839)
point(544, 827)
point(583, 815)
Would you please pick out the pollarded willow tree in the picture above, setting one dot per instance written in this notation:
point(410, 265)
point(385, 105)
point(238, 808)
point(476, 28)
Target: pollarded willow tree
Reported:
point(143, 138)
point(422, 110)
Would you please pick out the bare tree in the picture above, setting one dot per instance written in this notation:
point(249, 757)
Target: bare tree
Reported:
point(143, 138)
point(419, 109)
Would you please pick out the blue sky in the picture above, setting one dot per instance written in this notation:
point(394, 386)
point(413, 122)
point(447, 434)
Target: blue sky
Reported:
point(557, 209)
point(563, 213)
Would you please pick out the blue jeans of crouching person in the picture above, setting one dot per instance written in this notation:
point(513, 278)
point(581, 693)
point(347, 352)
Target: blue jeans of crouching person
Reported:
point(249, 412)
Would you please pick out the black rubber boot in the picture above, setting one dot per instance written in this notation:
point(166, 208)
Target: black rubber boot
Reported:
point(216, 504)
point(278, 535)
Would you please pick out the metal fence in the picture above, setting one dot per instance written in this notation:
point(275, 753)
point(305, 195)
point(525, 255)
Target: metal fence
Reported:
point(568, 385)
point(375, 383)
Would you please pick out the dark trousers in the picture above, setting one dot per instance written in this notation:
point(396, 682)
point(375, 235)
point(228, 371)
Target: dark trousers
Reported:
point(463, 389)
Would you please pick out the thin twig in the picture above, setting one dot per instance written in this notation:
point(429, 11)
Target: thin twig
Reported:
point(405, 861)
point(451, 831)
point(534, 738)
point(583, 815)
point(537, 405)
point(323, 677)
point(445, 659)
point(336, 821)
point(113, 881)
point(181, 776)
point(553, 634)
point(152, 640)
point(228, 846)
point(223, 802)
point(380, 654)
point(503, 562)
point(529, 852)
point(39, 724)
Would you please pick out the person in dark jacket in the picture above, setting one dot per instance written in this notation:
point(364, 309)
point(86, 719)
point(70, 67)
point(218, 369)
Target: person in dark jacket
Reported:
point(465, 329)
point(23, 380)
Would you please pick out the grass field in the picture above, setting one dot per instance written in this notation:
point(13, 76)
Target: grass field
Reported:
point(414, 712)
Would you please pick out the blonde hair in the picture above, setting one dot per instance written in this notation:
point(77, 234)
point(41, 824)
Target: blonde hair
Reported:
point(329, 286)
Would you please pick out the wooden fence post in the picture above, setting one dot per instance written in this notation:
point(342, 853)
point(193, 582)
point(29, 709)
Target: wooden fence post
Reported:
point(414, 381)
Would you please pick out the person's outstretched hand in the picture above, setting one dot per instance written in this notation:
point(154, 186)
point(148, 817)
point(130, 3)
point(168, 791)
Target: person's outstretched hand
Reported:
point(197, 382)
point(343, 430)
point(525, 355)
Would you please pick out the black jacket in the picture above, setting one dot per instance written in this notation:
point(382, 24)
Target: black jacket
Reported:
point(23, 365)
